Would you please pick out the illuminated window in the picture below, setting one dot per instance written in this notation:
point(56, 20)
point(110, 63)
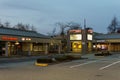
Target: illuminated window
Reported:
point(89, 37)
point(76, 37)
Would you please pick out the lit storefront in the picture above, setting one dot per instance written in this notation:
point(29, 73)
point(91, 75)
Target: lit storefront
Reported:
point(78, 41)
point(75, 40)
point(19, 42)
point(109, 42)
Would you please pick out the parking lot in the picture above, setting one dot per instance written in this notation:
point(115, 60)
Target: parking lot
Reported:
point(90, 68)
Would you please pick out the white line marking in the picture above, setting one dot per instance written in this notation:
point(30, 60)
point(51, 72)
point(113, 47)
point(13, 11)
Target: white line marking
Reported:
point(82, 64)
point(109, 65)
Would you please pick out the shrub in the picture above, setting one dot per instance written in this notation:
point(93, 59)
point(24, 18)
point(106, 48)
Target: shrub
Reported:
point(73, 57)
point(60, 58)
point(44, 60)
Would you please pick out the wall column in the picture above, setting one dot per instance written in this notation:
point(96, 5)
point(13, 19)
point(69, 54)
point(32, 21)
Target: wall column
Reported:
point(29, 48)
point(84, 42)
point(46, 48)
point(59, 48)
point(6, 49)
point(109, 47)
point(68, 43)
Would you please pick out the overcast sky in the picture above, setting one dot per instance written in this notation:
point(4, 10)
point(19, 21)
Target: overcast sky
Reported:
point(43, 14)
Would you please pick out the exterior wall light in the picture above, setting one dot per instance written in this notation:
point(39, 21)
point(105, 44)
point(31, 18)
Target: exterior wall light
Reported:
point(17, 43)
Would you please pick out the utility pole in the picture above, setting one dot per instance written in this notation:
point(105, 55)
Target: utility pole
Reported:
point(84, 23)
point(84, 41)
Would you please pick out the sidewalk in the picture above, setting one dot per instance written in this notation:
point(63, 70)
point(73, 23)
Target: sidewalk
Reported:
point(29, 58)
point(20, 58)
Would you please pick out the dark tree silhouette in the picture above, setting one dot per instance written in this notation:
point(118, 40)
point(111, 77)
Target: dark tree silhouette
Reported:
point(20, 26)
point(7, 24)
point(52, 33)
point(64, 27)
point(26, 27)
point(114, 26)
point(33, 28)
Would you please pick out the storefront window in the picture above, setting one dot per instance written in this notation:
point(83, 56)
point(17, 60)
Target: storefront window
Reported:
point(38, 47)
point(76, 46)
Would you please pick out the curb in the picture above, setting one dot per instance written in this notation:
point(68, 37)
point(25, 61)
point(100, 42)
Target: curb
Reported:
point(41, 64)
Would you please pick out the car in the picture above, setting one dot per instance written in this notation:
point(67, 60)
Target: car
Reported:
point(103, 53)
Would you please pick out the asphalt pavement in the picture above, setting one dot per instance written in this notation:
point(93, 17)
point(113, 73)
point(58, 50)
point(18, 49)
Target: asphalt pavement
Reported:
point(89, 68)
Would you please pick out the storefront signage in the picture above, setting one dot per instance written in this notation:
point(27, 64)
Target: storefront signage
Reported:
point(90, 31)
point(75, 37)
point(9, 38)
point(114, 40)
point(26, 39)
point(75, 31)
point(101, 40)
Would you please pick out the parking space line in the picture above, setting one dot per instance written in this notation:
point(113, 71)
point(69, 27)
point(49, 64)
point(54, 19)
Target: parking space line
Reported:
point(109, 65)
point(82, 64)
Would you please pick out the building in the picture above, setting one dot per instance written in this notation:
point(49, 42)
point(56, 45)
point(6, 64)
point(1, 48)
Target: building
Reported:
point(21, 42)
point(110, 42)
point(80, 41)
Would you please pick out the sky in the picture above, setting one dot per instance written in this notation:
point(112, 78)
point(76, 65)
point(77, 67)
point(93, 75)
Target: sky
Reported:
point(43, 14)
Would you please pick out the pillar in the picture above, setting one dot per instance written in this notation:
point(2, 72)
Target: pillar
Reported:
point(84, 42)
point(6, 49)
point(59, 48)
point(68, 43)
point(109, 47)
point(46, 48)
point(29, 48)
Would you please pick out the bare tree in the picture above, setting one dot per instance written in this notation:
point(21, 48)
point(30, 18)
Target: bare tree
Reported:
point(7, 24)
point(1, 25)
point(73, 25)
point(26, 27)
point(52, 33)
point(64, 27)
point(114, 26)
point(20, 26)
point(33, 28)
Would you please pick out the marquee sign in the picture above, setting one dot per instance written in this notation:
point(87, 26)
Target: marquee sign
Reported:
point(9, 38)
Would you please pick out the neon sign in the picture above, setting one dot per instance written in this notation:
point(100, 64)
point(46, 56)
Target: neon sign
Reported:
point(75, 31)
point(9, 38)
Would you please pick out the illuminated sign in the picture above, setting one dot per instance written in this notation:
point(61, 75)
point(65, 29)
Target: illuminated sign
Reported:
point(75, 37)
point(101, 40)
point(9, 38)
point(89, 37)
point(90, 31)
point(26, 39)
point(75, 31)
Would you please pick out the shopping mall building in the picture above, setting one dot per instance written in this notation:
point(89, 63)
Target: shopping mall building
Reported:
point(21, 42)
point(84, 41)
point(110, 42)
point(80, 41)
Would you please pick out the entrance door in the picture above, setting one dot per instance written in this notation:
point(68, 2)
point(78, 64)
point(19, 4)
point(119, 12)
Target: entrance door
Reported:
point(76, 46)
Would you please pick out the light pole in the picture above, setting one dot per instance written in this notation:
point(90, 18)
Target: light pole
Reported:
point(84, 41)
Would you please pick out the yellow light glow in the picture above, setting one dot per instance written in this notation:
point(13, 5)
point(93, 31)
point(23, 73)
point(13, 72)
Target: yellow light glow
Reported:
point(76, 45)
point(80, 46)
